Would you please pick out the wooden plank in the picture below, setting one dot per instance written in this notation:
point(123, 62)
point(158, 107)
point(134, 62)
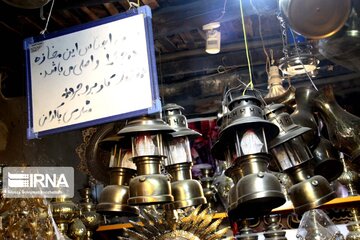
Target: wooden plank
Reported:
point(112, 10)
point(195, 14)
point(125, 4)
point(211, 62)
point(153, 4)
point(271, 42)
point(32, 23)
point(89, 13)
point(11, 29)
point(71, 17)
point(167, 45)
point(188, 40)
point(335, 203)
point(57, 20)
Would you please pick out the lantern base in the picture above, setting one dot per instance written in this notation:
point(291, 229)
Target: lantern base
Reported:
point(258, 194)
point(113, 200)
point(150, 189)
point(187, 193)
point(314, 192)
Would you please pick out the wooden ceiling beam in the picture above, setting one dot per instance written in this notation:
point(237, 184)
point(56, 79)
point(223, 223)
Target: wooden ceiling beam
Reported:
point(10, 29)
point(270, 42)
point(71, 16)
point(111, 9)
point(89, 13)
point(195, 14)
point(153, 4)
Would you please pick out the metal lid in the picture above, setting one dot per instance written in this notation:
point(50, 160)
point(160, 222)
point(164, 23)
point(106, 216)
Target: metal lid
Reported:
point(145, 124)
point(107, 143)
point(245, 116)
point(174, 117)
point(316, 19)
point(288, 129)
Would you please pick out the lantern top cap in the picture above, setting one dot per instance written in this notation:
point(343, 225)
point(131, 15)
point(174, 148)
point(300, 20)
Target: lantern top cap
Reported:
point(108, 142)
point(145, 124)
point(244, 100)
point(172, 106)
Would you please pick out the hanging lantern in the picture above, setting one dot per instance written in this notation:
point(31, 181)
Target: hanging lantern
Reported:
point(246, 132)
point(113, 199)
point(186, 191)
point(149, 186)
point(293, 157)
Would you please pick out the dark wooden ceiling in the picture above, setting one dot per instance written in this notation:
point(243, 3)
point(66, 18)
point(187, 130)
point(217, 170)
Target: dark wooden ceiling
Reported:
point(187, 75)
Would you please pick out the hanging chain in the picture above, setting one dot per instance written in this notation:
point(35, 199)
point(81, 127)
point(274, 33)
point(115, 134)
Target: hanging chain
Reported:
point(283, 34)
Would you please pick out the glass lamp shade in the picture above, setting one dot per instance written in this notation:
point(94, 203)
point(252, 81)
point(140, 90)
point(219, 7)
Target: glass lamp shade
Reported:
point(120, 151)
point(291, 153)
point(147, 144)
point(246, 127)
point(213, 41)
point(250, 142)
point(146, 135)
point(178, 151)
point(289, 147)
point(316, 225)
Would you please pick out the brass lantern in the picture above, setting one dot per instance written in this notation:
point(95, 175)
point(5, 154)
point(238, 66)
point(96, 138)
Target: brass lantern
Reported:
point(113, 198)
point(246, 131)
point(149, 186)
point(186, 191)
point(293, 157)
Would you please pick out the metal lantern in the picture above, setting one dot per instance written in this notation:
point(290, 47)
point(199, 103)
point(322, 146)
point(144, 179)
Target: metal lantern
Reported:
point(247, 132)
point(186, 191)
point(293, 157)
point(149, 186)
point(113, 198)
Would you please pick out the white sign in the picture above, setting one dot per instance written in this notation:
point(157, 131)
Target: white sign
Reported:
point(95, 73)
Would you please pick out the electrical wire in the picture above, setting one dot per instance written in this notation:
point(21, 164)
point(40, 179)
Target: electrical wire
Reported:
point(48, 18)
point(298, 54)
point(222, 12)
point(268, 60)
point(250, 84)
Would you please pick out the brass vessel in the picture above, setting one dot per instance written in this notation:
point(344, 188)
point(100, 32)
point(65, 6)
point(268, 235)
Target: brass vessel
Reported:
point(77, 230)
point(293, 156)
point(326, 161)
point(88, 214)
point(149, 186)
point(343, 127)
point(114, 197)
point(186, 191)
point(303, 115)
point(64, 211)
point(274, 229)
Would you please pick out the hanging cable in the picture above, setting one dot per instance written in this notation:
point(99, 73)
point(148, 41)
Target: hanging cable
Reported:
point(268, 62)
point(48, 18)
point(298, 54)
point(283, 34)
point(222, 12)
point(250, 84)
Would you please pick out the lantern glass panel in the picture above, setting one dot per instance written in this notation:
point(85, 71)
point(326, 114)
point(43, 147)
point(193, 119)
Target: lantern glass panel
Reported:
point(147, 144)
point(230, 155)
point(178, 151)
point(251, 141)
point(291, 153)
point(121, 157)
